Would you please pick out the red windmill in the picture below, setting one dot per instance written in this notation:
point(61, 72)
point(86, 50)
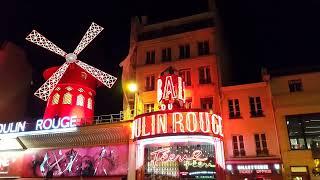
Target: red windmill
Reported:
point(70, 88)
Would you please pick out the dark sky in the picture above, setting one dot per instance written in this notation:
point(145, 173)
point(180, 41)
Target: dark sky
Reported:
point(274, 34)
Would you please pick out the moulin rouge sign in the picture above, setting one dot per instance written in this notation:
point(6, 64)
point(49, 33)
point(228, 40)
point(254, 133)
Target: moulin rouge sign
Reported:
point(41, 124)
point(173, 118)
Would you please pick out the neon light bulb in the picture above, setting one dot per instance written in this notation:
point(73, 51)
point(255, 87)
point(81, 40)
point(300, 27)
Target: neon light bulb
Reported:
point(138, 127)
point(229, 167)
point(153, 124)
point(159, 91)
point(161, 123)
point(180, 88)
point(143, 133)
point(276, 166)
point(194, 121)
point(169, 89)
point(176, 122)
point(204, 122)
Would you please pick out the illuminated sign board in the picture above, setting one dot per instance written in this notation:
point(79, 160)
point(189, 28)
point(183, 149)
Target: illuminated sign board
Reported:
point(56, 123)
point(255, 168)
point(170, 92)
point(184, 161)
point(170, 123)
point(194, 160)
point(12, 127)
point(23, 127)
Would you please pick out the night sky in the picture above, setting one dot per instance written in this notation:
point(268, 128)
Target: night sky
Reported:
point(273, 34)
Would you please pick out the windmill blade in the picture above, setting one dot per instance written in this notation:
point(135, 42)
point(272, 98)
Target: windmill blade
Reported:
point(40, 40)
point(91, 33)
point(45, 90)
point(103, 77)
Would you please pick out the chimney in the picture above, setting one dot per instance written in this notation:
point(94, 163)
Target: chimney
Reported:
point(144, 20)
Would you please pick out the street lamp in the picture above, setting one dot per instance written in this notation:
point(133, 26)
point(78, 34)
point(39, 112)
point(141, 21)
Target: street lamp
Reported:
point(133, 88)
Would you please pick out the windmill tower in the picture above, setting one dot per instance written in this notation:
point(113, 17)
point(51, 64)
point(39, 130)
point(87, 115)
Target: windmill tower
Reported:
point(70, 88)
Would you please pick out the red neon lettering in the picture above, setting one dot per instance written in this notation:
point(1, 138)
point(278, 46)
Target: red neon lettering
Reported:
point(169, 89)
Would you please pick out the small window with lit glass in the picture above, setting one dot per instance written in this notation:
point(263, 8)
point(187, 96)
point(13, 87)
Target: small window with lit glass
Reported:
point(295, 85)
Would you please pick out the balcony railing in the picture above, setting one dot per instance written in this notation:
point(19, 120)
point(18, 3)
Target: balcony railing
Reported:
point(102, 119)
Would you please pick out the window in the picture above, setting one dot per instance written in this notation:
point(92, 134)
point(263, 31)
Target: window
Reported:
point(186, 76)
point(299, 172)
point(204, 75)
point(303, 130)
point(234, 108)
point(150, 57)
point(207, 103)
point(67, 98)
point(261, 144)
point(184, 51)
point(150, 83)
point(255, 106)
point(188, 104)
point(148, 108)
point(203, 48)
point(238, 146)
point(295, 85)
point(166, 54)
point(80, 100)
point(89, 105)
point(55, 98)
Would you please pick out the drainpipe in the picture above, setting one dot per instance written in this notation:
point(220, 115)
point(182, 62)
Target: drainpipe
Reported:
point(266, 78)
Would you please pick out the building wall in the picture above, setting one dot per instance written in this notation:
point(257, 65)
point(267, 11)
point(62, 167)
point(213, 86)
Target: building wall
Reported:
point(140, 69)
point(247, 125)
point(286, 103)
point(15, 78)
point(196, 90)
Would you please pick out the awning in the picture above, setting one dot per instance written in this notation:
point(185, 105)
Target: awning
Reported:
point(94, 135)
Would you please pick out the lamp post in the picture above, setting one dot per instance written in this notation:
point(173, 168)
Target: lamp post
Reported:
point(133, 88)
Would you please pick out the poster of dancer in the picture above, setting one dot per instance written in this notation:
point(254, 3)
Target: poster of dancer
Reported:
point(90, 161)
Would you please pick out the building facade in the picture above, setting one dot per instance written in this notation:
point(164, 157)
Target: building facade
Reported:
point(250, 136)
point(191, 52)
point(296, 102)
point(15, 90)
point(184, 47)
point(251, 148)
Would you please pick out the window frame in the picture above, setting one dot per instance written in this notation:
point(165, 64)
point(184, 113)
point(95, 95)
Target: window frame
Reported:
point(234, 109)
point(80, 98)
point(262, 150)
point(65, 96)
point(166, 55)
point(203, 48)
point(302, 120)
point(150, 57)
point(240, 150)
point(90, 103)
point(207, 99)
point(55, 99)
point(146, 107)
point(205, 70)
point(256, 109)
point(151, 85)
point(184, 51)
point(184, 74)
point(295, 85)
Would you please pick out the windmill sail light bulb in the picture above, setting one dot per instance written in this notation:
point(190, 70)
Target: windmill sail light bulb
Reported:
point(71, 57)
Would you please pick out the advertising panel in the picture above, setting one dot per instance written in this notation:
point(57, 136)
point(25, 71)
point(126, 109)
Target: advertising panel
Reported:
point(69, 162)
